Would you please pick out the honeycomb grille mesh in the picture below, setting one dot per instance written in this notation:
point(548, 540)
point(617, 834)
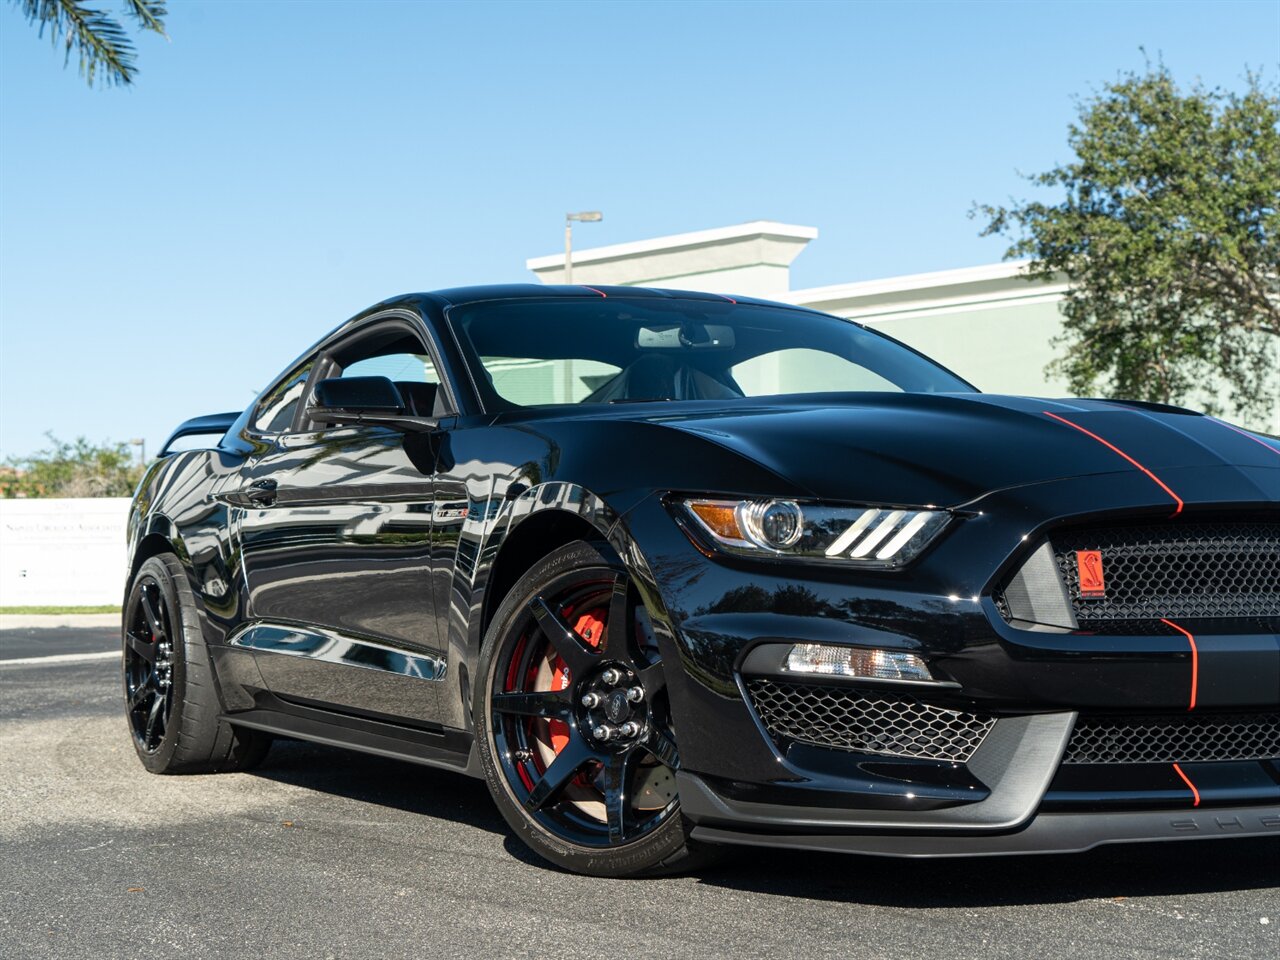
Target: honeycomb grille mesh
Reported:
point(1206, 570)
point(1175, 739)
point(828, 715)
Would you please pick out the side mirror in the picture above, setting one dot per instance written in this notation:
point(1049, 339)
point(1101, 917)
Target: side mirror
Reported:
point(363, 400)
point(358, 394)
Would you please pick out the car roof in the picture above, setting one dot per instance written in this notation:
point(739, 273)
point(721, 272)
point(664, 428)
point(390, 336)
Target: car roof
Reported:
point(456, 296)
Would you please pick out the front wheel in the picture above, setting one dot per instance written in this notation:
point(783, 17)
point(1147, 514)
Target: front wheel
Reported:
point(574, 724)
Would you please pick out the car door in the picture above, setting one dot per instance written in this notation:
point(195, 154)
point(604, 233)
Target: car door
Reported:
point(335, 538)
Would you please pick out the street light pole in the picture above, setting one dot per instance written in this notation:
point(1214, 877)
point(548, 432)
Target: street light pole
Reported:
point(568, 250)
point(586, 216)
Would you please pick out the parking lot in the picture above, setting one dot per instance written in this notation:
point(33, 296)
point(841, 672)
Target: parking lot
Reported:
point(322, 853)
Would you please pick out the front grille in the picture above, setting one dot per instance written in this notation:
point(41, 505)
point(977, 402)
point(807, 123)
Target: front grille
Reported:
point(1222, 570)
point(1175, 739)
point(828, 715)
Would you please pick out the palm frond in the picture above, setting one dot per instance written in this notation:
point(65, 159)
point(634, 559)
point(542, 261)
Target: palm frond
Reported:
point(104, 49)
point(150, 15)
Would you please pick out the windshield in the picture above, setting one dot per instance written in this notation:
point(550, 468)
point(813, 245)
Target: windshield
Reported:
point(528, 353)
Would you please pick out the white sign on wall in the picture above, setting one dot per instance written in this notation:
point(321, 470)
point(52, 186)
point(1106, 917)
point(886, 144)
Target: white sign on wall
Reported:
point(62, 552)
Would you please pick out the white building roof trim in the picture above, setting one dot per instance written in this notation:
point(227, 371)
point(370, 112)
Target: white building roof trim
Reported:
point(677, 241)
point(937, 293)
point(753, 259)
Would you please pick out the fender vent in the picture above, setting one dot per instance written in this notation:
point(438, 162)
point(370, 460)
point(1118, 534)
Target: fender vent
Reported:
point(847, 718)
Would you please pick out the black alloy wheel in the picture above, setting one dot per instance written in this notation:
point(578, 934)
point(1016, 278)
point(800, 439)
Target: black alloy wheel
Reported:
point(171, 699)
point(575, 725)
point(148, 664)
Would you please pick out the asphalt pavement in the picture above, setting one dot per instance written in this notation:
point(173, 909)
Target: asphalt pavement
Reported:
point(328, 854)
point(31, 642)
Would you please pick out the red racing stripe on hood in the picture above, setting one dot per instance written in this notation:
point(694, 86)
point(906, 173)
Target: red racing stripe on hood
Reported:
point(1114, 449)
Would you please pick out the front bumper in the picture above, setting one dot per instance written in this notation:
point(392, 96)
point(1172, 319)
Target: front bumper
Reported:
point(1021, 812)
point(740, 782)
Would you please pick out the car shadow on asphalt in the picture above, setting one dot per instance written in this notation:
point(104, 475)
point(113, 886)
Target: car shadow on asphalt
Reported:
point(1114, 872)
point(383, 781)
point(1106, 873)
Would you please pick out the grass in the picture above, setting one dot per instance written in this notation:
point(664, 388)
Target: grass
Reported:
point(38, 610)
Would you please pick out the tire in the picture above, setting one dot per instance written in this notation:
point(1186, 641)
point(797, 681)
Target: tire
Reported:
point(605, 808)
point(171, 698)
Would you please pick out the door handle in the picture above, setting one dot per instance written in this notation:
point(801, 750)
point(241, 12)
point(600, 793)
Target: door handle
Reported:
point(262, 492)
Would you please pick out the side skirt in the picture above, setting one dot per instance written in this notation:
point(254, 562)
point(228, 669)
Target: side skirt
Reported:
point(442, 748)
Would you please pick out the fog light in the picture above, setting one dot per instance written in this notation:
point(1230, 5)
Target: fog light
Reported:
point(829, 660)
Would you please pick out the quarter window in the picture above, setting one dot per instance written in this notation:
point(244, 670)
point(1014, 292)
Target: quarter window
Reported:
point(275, 413)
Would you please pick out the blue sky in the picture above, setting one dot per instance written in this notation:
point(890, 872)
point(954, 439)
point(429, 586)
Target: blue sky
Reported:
point(165, 249)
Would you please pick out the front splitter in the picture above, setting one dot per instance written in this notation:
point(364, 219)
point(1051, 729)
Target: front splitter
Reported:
point(1046, 833)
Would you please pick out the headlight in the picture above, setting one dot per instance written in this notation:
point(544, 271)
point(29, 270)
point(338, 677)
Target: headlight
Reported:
point(866, 536)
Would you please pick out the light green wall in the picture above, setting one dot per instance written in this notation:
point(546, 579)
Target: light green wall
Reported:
point(998, 350)
point(804, 371)
point(531, 382)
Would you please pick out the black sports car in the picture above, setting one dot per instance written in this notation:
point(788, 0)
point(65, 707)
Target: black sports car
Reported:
point(673, 570)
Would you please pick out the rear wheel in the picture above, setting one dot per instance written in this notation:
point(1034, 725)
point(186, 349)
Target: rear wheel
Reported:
point(171, 703)
point(574, 724)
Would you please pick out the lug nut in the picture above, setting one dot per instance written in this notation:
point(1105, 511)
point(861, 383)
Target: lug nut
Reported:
point(602, 732)
point(590, 700)
point(635, 694)
point(629, 729)
point(611, 676)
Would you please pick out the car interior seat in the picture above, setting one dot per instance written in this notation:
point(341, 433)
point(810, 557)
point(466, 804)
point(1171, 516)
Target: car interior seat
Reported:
point(659, 377)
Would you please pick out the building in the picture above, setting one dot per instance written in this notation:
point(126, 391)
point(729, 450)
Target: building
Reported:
point(989, 324)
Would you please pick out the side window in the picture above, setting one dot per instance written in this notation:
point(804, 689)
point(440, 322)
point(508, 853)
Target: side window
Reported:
point(397, 354)
point(275, 413)
point(397, 367)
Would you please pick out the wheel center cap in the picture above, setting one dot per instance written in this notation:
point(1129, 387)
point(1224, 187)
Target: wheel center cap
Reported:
point(616, 706)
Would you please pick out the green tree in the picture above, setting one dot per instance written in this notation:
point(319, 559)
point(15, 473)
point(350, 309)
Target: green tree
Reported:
point(78, 469)
point(1168, 229)
point(100, 41)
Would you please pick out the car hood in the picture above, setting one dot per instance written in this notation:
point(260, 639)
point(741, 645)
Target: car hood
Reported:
point(951, 449)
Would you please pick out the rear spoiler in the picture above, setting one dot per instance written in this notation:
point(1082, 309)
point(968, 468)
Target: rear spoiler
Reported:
point(213, 423)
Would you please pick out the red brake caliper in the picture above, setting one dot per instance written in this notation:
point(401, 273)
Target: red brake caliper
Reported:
point(590, 627)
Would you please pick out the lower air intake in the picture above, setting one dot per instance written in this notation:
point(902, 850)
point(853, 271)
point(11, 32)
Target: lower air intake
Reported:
point(1175, 739)
point(830, 715)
